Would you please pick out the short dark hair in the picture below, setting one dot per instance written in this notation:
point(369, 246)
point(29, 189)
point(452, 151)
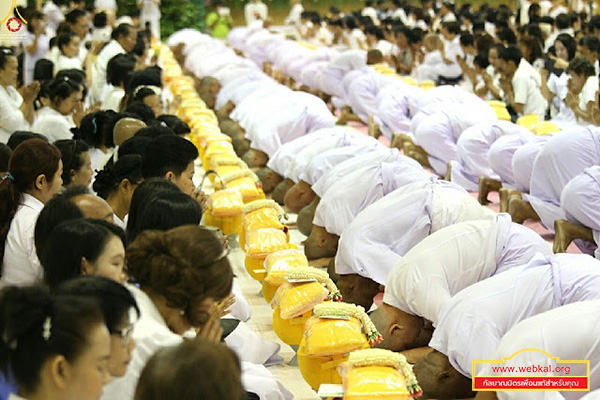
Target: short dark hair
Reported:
point(43, 70)
point(177, 125)
point(563, 21)
point(77, 239)
point(466, 39)
point(5, 52)
point(70, 153)
point(141, 111)
point(481, 60)
point(511, 53)
point(507, 35)
point(127, 167)
point(452, 26)
point(114, 299)
point(5, 153)
point(19, 137)
point(592, 43)
point(100, 19)
point(154, 131)
point(164, 211)
point(135, 145)
point(167, 153)
point(118, 68)
point(74, 15)
point(581, 66)
point(121, 31)
point(59, 208)
point(192, 371)
point(64, 39)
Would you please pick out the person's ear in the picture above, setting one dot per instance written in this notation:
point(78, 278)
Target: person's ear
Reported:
point(395, 329)
point(322, 241)
point(443, 376)
point(86, 267)
point(72, 172)
point(40, 182)
point(59, 371)
point(170, 176)
point(126, 185)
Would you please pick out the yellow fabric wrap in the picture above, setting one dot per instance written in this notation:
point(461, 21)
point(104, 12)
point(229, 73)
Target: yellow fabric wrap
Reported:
point(295, 299)
point(528, 121)
point(329, 336)
point(262, 242)
point(265, 217)
point(375, 382)
point(279, 262)
point(246, 186)
point(227, 203)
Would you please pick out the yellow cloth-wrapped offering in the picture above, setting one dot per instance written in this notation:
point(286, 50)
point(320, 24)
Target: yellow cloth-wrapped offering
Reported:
point(278, 263)
point(226, 203)
point(262, 242)
point(329, 336)
point(375, 382)
point(295, 299)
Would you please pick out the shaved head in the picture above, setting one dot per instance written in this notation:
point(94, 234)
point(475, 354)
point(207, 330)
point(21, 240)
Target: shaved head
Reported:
point(268, 178)
point(439, 379)
point(399, 329)
point(125, 129)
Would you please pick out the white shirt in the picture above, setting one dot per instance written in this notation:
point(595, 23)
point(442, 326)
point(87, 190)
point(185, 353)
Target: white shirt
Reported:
point(99, 70)
point(371, 13)
point(526, 84)
point(54, 17)
point(11, 117)
point(53, 124)
point(112, 101)
point(29, 60)
point(21, 265)
point(255, 11)
point(65, 62)
point(294, 17)
point(472, 323)
point(569, 332)
point(110, 5)
point(588, 94)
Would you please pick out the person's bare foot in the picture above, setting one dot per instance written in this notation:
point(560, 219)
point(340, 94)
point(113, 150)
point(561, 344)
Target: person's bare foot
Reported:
point(521, 210)
point(505, 196)
point(566, 232)
point(448, 176)
point(374, 130)
point(346, 116)
point(417, 153)
point(487, 185)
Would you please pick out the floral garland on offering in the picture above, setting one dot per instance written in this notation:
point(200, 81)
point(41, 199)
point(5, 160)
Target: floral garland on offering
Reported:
point(322, 277)
point(350, 310)
point(387, 358)
point(258, 204)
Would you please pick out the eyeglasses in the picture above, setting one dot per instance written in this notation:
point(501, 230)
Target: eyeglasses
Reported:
point(125, 335)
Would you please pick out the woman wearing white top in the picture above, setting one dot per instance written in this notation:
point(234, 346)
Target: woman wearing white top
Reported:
point(65, 111)
point(57, 346)
point(33, 178)
point(77, 165)
point(36, 45)
point(68, 44)
point(150, 12)
point(16, 111)
point(583, 86)
point(117, 70)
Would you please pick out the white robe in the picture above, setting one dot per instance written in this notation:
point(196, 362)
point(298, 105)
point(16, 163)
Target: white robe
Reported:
point(54, 125)
point(344, 168)
point(355, 191)
point(11, 117)
point(456, 257)
point(385, 231)
point(569, 332)
point(500, 157)
point(472, 323)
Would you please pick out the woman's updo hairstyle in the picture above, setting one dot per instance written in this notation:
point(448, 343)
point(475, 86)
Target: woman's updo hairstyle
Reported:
point(185, 265)
point(127, 167)
point(63, 87)
point(35, 326)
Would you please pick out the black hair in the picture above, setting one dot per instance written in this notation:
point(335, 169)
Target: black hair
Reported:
point(534, 31)
point(5, 52)
point(75, 75)
point(478, 26)
point(43, 70)
point(146, 77)
point(19, 137)
point(100, 19)
point(121, 31)
point(562, 21)
point(127, 167)
point(141, 44)
point(466, 39)
point(581, 66)
point(534, 46)
point(168, 153)
point(176, 124)
point(135, 145)
point(59, 208)
point(592, 43)
point(114, 299)
point(452, 27)
point(71, 151)
point(35, 326)
point(164, 211)
point(349, 22)
point(141, 111)
point(508, 36)
point(74, 15)
point(415, 36)
point(141, 196)
point(31, 15)
point(64, 39)
point(76, 239)
point(92, 128)
point(154, 131)
point(5, 153)
point(375, 31)
point(118, 68)
point(511, 53)
point(62, 88)
point(481, 60)
point(569, 42)
point(142, 93)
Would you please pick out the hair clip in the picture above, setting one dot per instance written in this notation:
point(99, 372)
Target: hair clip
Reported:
point(47, 326)
point(7, 51)
point(9, 176)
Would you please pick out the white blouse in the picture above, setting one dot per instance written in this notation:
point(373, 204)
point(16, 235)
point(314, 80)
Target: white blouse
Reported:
point(11, 117)
point(65, 62)
point(53, 124)
point(21, 265)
